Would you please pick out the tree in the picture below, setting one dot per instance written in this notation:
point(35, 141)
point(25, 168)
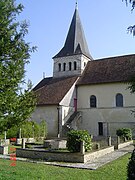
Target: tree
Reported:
point(16, 104)
point(131, 167)
point(43, 129)
point(132, 2)
point(29, 129)
point(131, 29)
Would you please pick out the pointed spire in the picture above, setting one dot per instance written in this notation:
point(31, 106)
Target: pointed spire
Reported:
point(75, 42)
point(76, 4)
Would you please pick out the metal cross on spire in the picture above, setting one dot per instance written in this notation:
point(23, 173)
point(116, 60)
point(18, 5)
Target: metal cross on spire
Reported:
point(76, 4)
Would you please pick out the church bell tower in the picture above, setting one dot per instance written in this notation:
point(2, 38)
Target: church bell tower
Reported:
point(73, 57)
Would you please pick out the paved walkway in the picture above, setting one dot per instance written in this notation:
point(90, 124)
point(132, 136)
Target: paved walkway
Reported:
point(89, 165)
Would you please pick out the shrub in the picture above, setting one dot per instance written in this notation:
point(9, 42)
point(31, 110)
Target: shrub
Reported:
point(12, 132)
point(131, 167)
point(124, 133)
point(74, 138)
point(29, 129)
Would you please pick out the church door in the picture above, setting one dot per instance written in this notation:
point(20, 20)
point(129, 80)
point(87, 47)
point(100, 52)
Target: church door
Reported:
point(100, 129)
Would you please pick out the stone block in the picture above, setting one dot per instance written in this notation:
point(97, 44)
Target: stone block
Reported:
point(4, 150)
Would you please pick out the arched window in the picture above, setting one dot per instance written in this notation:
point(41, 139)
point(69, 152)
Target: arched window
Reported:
point(64, 66)
point(93, 101)
point(70, 66)
point(84, 64)
point(75, 65)
point(59, 66)
point(119, 100)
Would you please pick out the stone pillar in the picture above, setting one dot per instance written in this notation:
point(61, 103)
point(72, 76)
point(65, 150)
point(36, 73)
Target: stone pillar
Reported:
point(118, 140)
point(98, 146)
point(20, 133)
point(109, 141)
point(75, 104)
point(5, 135)
point(58, 133)
point(82, 147)
point(0, 142)
point(23, 143)
point(91, 136)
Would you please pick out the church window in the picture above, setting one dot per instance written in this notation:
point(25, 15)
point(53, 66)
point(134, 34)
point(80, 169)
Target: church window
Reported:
point(64, 66)
point(59, 66)
point(84, 64)
point(70, 66)
point(75, 65)
point(93, 101)
point(119, 100)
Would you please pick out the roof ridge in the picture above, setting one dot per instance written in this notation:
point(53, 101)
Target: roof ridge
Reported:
point(113, 57)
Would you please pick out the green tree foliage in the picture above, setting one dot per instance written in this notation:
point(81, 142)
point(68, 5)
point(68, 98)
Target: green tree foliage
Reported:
point(29, 129)
point(131, 167)
point(16, 104)
point(131, 29)
point(132, 2)
point(74, 137)
point(43, 129)
point(124, 133)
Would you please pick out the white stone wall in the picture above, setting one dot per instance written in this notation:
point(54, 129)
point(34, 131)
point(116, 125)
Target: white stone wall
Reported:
point(50, 115)
point(80, 60)
point(112, 117)
point(67, 103)
point(84, 61)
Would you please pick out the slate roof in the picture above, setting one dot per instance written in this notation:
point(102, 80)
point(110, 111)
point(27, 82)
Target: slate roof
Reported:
point(75, 42)
point(50, 91)
point(108, 70)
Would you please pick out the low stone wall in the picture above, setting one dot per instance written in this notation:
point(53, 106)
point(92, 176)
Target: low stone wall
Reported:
point(27, 140)
point(49, 156)
point(93, 155)
point(55, 144)
point(122, 145)
point(4, 150)
point(19, 141)
point(4, 142)
point(62, 156)
point(30, 140)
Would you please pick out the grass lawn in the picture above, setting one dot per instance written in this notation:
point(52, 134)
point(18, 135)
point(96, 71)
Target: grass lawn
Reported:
point(115, 170)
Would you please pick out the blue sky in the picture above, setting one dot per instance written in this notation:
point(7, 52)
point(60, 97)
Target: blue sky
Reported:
point(104, 22)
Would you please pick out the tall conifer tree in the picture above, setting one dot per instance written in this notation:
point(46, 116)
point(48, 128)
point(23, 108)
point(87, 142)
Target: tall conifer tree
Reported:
point(16, 104)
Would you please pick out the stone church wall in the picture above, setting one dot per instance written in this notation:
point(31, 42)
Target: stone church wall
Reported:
point(106, 111)
point(80, 60)
point(50, 115)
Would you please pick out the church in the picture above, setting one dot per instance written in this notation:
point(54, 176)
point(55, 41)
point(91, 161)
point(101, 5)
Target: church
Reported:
point(84, 93)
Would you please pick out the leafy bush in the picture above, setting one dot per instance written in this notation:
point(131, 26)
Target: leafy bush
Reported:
point(29, 129)
point(12, 132)
point(131, 167)
point(124, 133)
point(74, 139)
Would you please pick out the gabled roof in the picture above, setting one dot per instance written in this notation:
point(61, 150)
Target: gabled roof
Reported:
point(75, 42)
point(108, 70)
point(50, 91)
